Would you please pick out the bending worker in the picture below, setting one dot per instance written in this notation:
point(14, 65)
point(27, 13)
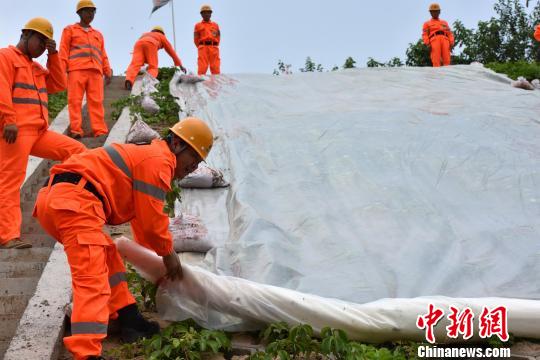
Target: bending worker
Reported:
point(114, 185)
point(24, 118)
point(146, 52)
point(438, 37)
point(82, 50)
point(207, 37)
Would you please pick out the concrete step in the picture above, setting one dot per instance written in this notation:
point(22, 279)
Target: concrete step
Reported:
point(10, 269)
point(18, 286)
point(33, 254)
point(13, 304)
point(9, 325)
point(4, 344)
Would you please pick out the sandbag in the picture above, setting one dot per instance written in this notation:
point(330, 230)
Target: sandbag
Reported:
point(149, 105)
point(141, 133)
point(149, 84)
point(536, 83)
point(203, 178)
point(522, 83)
point(189, 234)
point(190, 79)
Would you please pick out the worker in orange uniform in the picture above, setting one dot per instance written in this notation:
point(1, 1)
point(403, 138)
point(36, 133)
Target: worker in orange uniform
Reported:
point(146, 52)
point(82, 50)
point(537, 32)
point(24, 118)
point(438, 37)
point(114, 185)
point(207, 37)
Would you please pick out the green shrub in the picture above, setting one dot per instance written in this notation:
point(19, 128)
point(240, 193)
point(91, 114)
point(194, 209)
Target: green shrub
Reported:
point(142, 290)
point(182, 340)
point(169, 109)
point(513, 70)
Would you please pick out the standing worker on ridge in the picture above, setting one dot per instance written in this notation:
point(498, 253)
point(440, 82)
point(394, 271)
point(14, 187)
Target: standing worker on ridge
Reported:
point(146, 52)
point(82, 50)
point(114, 185)
point(438, 37)
point(24, 118)
point(207, 37)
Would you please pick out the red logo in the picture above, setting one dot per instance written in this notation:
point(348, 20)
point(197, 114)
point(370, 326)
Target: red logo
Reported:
point(460, 323)
point(429, 321)
point(491, 322)
point(494, 322)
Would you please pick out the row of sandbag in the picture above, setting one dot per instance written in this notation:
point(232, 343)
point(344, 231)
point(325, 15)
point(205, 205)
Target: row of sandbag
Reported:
point(149, 84)
point(188, 232)
point(522, 83)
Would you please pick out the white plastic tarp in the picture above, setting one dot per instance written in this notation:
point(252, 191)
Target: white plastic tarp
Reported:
point(375, 183)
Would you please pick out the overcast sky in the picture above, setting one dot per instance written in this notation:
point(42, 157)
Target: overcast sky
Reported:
point(256, 33)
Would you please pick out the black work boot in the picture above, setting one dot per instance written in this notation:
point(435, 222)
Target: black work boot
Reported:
point(95, 357)
point(133, 326)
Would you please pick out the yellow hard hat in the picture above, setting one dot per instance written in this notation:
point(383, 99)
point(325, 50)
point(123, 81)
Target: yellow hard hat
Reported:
point(206, 8)
point(434, 7)
point(158, 28)
point(41, 25)
point(196, 134)
point(85, 4)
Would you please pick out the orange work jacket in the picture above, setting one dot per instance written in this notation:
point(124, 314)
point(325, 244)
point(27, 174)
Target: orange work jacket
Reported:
point(206, 33)
point(133, 181)
point(24, 85)
point(83, 49)
point(160, 40)
point(432, 27)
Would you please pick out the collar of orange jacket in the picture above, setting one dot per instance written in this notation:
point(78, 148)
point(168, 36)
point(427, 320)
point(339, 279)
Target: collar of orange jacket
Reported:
point(165, 148)
point(89, 28)
point(20, 53)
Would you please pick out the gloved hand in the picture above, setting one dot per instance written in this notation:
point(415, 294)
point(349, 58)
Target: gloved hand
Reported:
point(173, 266)
point(182, 68)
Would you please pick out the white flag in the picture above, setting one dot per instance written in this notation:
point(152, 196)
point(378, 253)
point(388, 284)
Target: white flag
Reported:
point(158, 3)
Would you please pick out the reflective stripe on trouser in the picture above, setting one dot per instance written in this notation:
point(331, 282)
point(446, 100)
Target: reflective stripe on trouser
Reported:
point(143, 53)
point(440, 49)
point(13, 160)
point(208, 57)
point(74, 216)
point(91, 83)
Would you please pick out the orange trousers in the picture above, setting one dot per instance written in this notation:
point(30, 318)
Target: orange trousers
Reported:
point(89, 82)
point(440, 49)
point(74, 217)
point(208, 57)
point(13, 161)
point(143, 53)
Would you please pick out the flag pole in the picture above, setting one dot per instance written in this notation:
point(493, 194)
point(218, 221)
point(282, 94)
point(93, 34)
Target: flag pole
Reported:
point(173, 27)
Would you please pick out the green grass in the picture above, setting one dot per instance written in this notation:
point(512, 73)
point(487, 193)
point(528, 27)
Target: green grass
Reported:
point(56, 103)
point(513, 70)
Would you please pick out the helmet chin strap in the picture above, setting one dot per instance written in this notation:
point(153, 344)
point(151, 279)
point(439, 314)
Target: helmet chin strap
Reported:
point(179, 151)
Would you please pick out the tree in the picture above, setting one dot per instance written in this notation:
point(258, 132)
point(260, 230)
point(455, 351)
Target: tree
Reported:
point(418, 54)
point(310, 66)
point(283, 69)
point(515, 29)
point(349, 63)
